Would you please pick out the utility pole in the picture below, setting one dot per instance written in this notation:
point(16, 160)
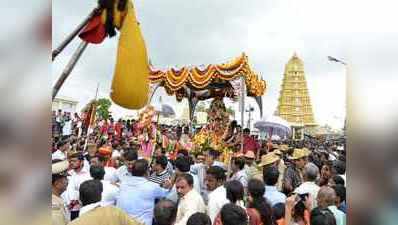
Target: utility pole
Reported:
point(249, 110)
point(346, 66)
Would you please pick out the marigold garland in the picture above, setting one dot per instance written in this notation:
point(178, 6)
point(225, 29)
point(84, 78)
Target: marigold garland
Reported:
point(174, 79)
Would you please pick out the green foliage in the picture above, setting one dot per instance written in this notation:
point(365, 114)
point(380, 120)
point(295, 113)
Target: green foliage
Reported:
point(103, 105)
point(230, 111)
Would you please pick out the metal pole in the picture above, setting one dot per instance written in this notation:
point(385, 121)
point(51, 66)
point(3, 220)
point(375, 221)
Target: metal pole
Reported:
point(250, 117)
point(242, 107)
point(154, 88)
point(68, 69)
point(71, 36)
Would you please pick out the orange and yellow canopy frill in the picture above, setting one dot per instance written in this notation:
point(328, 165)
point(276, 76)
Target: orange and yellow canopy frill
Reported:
point(175, 79)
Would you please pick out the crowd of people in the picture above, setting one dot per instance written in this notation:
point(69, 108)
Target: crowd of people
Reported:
point(106, 176)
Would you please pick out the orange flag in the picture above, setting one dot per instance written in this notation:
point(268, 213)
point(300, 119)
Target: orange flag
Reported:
point(94, 32)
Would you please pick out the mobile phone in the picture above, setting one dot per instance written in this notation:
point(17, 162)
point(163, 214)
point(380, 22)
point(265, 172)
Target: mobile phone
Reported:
point(303, 196)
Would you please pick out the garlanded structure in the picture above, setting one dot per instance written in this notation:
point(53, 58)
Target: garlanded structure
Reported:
point(211, 82)
point(294, 102)
point(197, 84)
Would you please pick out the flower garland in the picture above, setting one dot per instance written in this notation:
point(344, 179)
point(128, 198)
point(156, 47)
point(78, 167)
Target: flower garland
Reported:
point(174, 79)
point(211, 135)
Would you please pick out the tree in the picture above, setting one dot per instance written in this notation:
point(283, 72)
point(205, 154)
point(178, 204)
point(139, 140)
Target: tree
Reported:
point(103, 105)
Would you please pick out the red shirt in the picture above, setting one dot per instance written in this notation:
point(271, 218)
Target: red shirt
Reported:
point(104, 128)
point(269, 145)
point(118, 129)
point(249, 144)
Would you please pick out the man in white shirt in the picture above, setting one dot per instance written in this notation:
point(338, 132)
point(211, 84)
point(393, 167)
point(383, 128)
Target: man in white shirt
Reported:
point(129, 158)
point(67, 128)
point(59, 120)
point(238, 170)
point(207, 160)
point(310, 174)
point(215, 179)
point(110, 172)
point(62, 147)
point(327, 199)
point(77, 177)
point(91, 152)
point(183, 166)
point(110, 191)
point(93, 212)
point(190, 201)
point(199, 168)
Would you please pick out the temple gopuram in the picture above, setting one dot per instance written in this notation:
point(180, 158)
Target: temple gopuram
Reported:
point(294, 104)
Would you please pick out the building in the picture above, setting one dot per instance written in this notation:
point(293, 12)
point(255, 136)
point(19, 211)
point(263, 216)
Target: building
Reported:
point(66, 104)
point(294, 104)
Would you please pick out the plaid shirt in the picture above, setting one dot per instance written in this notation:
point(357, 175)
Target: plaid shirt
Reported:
point(293, 176)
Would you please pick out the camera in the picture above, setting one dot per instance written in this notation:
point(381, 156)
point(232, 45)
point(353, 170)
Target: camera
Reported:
point(301, 197)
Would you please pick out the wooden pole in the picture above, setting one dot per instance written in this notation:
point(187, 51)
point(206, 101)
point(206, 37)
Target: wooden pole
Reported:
point(71, 36)
point(92, 118)
point(68, 69)
point(155, 141)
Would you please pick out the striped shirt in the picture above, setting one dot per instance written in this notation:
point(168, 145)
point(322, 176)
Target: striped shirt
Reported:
point(170, 169)
point(159, 178)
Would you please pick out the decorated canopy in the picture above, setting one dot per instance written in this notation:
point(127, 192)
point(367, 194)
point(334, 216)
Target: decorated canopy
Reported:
point(274, 125)
point(201, 79)
point(220, 80)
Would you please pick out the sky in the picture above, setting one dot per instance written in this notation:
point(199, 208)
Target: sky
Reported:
point(179, 33)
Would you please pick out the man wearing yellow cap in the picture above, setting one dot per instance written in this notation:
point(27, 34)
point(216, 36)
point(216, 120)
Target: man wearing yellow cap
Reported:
point(59, 182)
point(268, 160)
point(293, 175)
point(250, 165)
point(281, 168)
